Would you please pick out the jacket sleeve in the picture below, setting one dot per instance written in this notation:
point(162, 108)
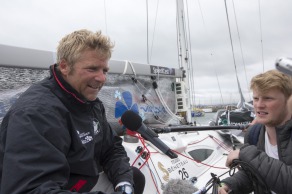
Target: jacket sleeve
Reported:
point(115, 161)
point(35, 144)
point(239, 183)
point(276, 174)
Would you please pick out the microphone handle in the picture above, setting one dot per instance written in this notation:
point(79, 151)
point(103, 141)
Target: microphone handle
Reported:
point(152, 137)
point(171, 154)
point(162, 147)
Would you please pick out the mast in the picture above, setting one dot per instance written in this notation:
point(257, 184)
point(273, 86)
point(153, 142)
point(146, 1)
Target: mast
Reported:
point(241, 103)
point(183, 50)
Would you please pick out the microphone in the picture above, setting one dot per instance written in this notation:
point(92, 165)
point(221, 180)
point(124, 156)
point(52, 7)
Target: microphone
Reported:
point(133, 122)
point(284, 65)
point(178, 186)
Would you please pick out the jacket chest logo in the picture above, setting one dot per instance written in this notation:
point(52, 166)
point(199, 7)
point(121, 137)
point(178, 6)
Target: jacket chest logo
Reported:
point(96, 126)
point(85, 137)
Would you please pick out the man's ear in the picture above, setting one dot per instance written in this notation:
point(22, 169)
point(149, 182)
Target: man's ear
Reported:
point(64, 67)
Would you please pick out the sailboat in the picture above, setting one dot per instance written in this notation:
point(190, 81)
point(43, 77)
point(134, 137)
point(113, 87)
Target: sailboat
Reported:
point(241, 114)
point(129, 86)
point(161, 96)
point(151, 91)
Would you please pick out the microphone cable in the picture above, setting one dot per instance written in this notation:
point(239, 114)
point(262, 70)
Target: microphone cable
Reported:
point(257, 181)
point(259, 185)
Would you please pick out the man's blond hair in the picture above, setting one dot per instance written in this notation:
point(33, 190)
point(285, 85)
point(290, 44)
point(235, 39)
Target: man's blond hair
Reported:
point(72, 45)
point(272, 79)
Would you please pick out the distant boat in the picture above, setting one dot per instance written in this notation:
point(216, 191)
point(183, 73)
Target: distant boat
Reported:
point(233, 116)
point(197, 112)
point(207, 110)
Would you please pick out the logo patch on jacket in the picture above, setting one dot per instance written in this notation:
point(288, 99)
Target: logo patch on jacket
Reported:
point(96, 126)
point(85, 137)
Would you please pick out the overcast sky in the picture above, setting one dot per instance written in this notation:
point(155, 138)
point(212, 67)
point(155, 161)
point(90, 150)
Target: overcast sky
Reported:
point(264, 33)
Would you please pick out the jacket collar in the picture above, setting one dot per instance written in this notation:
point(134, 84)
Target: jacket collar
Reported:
point(67, 88)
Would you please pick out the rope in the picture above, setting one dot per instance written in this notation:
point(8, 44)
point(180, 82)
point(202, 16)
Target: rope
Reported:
point(261, 35)
point(239, 88)
point(255, 177)
point(240, 47)
point(126, 67)
point(145, 99)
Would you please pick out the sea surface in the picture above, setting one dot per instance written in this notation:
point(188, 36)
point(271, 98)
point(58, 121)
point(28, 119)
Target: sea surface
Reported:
point(204, 120)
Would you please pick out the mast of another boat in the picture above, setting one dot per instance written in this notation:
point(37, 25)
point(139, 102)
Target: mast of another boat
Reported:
point(184, 62)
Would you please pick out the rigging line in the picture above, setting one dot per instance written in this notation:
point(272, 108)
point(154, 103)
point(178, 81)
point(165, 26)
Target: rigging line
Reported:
point(179, 50)
point(241, 49)
point(189, 68)
point(186, 59)
point(155, 115)
point(154, 30)
point(154, 179)
point(125, 68)
point(105, 18)
point(218, 83)
point(198, 161)
point(191, 79)
point(261, 35)
point(167, 109)
point(156, 173)
point(232, 48)
point(204, 24)
point(161, 100)
point(147, 31)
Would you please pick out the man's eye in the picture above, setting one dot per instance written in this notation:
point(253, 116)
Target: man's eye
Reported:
point(91, 69)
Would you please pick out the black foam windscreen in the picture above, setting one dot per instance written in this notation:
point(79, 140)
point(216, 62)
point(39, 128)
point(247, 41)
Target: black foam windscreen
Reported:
point(131, 120)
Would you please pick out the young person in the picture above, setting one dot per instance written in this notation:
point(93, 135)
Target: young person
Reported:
point(270, 159)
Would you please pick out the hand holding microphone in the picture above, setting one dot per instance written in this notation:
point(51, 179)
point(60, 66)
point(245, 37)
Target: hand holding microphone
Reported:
point(133, 122)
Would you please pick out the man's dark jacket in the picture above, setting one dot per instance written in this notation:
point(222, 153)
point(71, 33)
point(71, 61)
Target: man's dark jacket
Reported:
point(52, 137)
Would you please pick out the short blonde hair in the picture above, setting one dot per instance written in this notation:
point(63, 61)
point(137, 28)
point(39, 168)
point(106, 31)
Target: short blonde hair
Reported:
point(72, 45)
point(272, 79)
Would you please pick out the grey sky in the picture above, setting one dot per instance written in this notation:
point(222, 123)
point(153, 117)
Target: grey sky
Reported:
point(40, 24)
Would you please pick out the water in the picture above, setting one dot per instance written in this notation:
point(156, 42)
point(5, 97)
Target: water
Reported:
point(205, 119)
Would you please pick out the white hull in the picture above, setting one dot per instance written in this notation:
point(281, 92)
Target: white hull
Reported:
point(159, 168)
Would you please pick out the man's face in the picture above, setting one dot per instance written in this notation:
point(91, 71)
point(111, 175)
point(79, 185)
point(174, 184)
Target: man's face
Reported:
point(87, 75)
point(270, 107)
